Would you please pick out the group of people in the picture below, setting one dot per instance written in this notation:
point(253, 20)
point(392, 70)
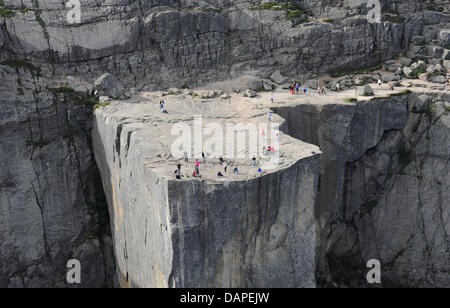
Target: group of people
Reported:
point(223, 163)
point(295, 88)
point(321, 90)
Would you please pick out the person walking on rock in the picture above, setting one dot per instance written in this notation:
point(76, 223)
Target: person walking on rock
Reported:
point(197, 167)
point(271, 97)
point(225, 166)
point(203, 157)
point(186, 156)
point(338, 87)
point(270, 116)
point(379, 82)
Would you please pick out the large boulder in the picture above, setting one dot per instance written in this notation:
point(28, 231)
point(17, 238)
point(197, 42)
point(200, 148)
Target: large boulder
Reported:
point(278, 78)
point(312, 84)
point(435, 69)
point(365, 91)
point(421, 65)
point(405, 61)
point(435, 51)
point(437, 79)
point(444, 37)
point(109, 85)
point(447, 64)
point(408, 72)
point(390, 77)
point(446, 54)
point(250, 93)
point(256, 85)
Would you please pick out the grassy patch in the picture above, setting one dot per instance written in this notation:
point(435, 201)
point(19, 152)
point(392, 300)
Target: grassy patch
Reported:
point(395, 19)
point(38, 143)
point(213, 10)
point(432, 7)
point(416, 72)
point(7, 12)
point(365, 80)
point(302, 21)
point(353, 71)
point(22, 63)
point(74, 97)
point(293, 11)
point(404, 92)
point(104, 104)
point(350, 100)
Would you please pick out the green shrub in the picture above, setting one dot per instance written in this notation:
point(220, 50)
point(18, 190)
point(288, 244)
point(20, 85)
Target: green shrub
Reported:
point(395, 19)
point(293, 11)
point(104, 104)
point(353, 71)
point(7, 12)
point(74, 97)
point(21, 63)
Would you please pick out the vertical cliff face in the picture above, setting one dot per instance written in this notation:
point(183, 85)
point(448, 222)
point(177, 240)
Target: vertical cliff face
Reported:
point(255, 233)
point(244, 231)
point(52, 206)
point(383, 189)
point(154, 44)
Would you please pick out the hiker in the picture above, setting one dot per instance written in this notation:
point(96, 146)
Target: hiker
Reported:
point(186, 156)
point(197, 167)
point(323, 91)
point(391, 86)
point(179, 167)
point(225, 166)
point(203, 157)
point(319, 90)
point(221, 160)
point(270, 116)
point(271, 97)
point(305, 91)
point(297, 87)
point(379, 82)
point(338, 88)
point(254, 161)
point(290, 89)
point(236, 170)
point(219, 174)
point(161, 103)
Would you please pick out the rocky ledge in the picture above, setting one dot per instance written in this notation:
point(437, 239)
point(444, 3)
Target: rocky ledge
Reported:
point(247, 230)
